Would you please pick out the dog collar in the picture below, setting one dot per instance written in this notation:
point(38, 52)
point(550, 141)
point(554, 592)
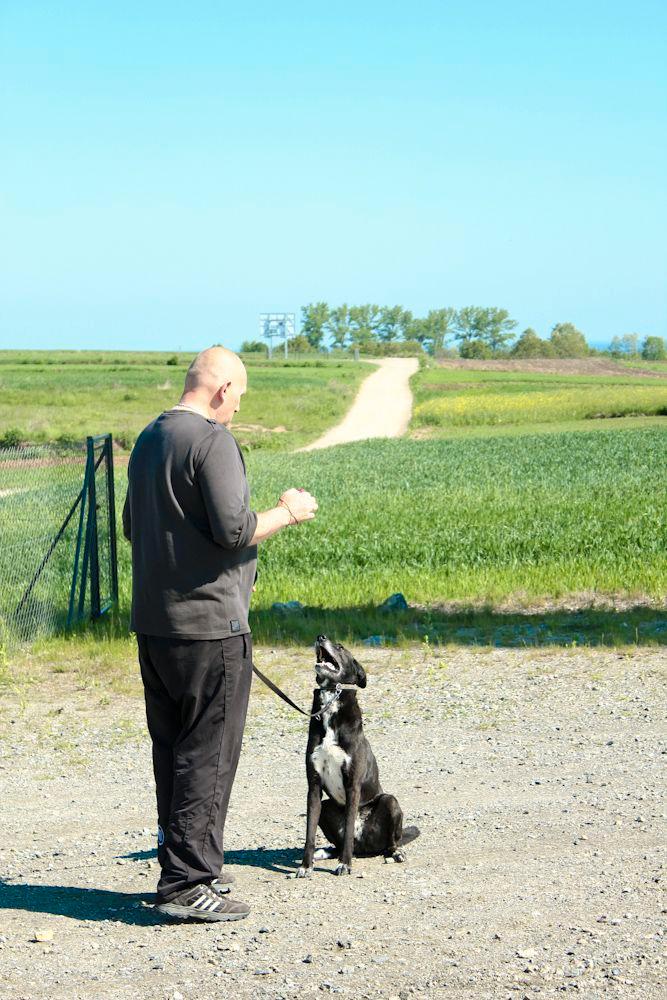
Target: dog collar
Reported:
point(334, 698)
point(338, 688)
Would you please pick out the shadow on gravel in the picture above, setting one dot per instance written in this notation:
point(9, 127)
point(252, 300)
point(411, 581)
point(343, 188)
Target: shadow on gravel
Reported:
point(281, 859)
point(637, 624)
point(80, 903)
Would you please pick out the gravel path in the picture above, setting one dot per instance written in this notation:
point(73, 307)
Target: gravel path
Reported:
point(534, 776)
point(381, 408)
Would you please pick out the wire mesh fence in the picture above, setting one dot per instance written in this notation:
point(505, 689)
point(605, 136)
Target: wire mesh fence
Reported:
point(57, 537)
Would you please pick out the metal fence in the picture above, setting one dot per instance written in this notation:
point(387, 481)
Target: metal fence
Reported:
point(57, 537)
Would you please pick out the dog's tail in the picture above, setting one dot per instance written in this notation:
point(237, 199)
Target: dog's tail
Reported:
point(410, 833)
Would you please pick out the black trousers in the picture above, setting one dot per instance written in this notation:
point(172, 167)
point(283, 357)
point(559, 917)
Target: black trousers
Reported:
point(196, 701)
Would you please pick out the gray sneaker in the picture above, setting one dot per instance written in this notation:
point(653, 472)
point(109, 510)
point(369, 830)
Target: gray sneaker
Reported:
point(201, 902)
point(223, 882)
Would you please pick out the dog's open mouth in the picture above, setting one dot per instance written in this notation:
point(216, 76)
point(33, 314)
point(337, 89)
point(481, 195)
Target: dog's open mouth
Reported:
point(326, 662)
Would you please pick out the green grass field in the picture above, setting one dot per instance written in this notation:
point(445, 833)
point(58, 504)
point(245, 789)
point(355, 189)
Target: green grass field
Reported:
point(454, 398)
point(479, 521)
point(654, 366)
point(63, 396)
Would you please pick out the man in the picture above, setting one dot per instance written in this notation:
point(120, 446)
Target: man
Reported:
point(194, 557)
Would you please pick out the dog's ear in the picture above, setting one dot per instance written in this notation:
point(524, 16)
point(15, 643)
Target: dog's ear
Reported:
point(361, 674)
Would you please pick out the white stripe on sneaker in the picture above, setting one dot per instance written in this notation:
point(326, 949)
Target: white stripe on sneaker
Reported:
point(199, 903)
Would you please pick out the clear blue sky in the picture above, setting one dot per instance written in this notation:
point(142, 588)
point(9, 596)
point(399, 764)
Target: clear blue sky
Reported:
point(169, 170)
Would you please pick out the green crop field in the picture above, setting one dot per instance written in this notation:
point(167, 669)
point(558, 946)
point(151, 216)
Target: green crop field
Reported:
point(479, 520)
point(472, 519)
point(446, 399)
point(63, 396)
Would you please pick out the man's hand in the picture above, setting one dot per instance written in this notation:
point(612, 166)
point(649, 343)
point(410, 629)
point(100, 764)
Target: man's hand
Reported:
point(293, 507)
point(300, 504)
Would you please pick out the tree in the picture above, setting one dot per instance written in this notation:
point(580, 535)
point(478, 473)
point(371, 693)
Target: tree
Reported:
point(630, 343)
point(653, 349)
point(467, 323)
point(496, 327)
point(253, 347)
point(300, 344)
point(314, 319)
point(626, 345)
point(364, 322)
point(476, 348)
point(407, 325)
point(568, 342)
point(492, 325)
point(615, 348)
point(529, 345)
point(394, 322)
point(339, 325)
point(433, 329)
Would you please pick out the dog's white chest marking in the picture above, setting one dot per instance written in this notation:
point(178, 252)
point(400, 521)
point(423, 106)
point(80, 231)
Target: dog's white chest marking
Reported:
point(328, 760)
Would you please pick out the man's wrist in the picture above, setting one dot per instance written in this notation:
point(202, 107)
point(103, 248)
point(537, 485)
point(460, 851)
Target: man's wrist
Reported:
point(289, 518)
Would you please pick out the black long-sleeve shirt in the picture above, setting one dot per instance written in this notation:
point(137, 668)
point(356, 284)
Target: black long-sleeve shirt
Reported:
point(188, 518)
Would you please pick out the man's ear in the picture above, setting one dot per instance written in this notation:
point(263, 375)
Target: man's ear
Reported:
point(361, 675)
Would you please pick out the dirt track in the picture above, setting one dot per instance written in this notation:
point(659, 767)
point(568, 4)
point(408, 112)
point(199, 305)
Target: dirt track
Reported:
point(534, 775)
point(381, 408)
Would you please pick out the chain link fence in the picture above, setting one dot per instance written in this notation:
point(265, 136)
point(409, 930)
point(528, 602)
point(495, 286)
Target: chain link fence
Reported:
point(57, 538)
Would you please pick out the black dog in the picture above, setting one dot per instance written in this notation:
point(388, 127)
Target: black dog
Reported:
point(358, 817)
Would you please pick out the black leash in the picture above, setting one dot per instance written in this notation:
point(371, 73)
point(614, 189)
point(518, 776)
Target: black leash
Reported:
point(281, 694)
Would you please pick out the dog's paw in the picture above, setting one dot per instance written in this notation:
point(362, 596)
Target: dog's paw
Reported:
point(342, 869)
point(304, 872)
point(396, 857)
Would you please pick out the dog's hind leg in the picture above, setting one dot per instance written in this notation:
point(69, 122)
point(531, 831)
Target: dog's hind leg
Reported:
point(395, 818)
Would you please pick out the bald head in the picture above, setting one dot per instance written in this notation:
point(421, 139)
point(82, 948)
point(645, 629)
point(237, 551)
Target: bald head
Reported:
point(215, 382)
point(213, 367)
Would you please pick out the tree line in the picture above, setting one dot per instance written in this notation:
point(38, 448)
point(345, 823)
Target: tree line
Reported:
point(470, 332)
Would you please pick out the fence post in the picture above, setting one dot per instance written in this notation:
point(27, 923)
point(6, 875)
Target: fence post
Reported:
point(111, 495)
point(92, 521)
point(77, 552)
point(99, 449)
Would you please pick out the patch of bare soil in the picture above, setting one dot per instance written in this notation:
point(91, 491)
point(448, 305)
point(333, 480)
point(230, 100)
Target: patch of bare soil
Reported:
point(259, 428)
point(552, 366)
point(13, 492)
point(534, 775)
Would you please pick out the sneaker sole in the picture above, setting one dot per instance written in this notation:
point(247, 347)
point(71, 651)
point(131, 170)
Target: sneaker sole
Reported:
point(179, 912)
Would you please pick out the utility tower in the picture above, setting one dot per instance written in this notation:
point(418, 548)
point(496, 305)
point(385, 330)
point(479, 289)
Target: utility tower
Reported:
point(276, 325)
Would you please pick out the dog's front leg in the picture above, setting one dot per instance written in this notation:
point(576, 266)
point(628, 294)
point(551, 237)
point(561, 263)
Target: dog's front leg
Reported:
point(353, 795)
point(313, 809)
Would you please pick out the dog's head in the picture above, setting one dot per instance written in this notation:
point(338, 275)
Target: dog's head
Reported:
point(336, 665)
